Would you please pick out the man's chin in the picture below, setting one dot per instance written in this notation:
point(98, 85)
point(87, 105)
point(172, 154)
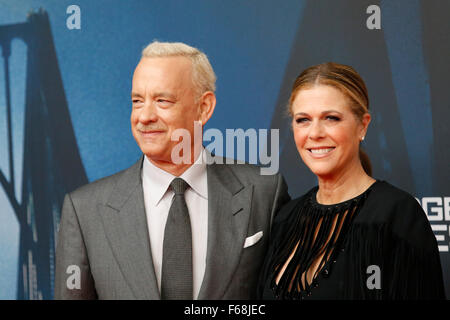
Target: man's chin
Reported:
point(156, 156)
point(151, 152)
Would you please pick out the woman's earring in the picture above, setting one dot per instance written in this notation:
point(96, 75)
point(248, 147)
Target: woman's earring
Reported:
point(362, 139)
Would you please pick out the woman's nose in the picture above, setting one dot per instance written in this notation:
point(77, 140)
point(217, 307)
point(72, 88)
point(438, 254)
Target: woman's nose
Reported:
point(316, 130)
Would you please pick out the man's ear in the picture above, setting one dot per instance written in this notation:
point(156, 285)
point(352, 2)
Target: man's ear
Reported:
point(207, 104)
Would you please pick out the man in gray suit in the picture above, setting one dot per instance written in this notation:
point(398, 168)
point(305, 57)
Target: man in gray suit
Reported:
point(129, 236)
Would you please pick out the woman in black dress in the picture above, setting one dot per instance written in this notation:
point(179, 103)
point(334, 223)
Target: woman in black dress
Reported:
point(352, 237)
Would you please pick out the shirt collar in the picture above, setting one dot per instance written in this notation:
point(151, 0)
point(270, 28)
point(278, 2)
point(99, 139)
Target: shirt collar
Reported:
point(159, 180)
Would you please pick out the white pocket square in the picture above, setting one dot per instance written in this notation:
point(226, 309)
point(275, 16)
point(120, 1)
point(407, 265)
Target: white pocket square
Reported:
point(253, 239)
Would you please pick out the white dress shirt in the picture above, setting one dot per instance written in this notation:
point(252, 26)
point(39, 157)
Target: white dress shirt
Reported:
point(158, 199)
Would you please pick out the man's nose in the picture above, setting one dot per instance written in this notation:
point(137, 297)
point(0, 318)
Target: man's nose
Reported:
point(148, 113)
point(316, 130)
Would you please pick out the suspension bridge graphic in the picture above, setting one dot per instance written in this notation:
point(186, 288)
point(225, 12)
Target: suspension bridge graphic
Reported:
point(51, 164)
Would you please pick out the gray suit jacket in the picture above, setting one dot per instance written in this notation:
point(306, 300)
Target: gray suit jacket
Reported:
point(103, 232)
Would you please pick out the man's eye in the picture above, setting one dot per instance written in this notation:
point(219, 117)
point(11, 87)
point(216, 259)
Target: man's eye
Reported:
point(164, 102)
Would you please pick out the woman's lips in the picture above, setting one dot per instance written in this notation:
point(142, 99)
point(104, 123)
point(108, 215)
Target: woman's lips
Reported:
point(320, 152)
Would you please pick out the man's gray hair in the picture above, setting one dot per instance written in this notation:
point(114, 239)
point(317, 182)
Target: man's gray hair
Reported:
point(203, 75)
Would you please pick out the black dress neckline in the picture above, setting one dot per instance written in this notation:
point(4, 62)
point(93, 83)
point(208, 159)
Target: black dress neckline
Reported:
point(314, 202)
point(312, 215)
point(380, 234)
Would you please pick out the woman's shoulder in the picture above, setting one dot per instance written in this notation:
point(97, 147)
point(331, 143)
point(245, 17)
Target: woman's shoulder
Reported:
point(393, 194)
point(399, 210)
point(386, 196)
point(290, 208)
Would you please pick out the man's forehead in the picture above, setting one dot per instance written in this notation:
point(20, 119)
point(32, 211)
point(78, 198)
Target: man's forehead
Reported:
point(162, 74)
point(169, 68)
point(171, 64)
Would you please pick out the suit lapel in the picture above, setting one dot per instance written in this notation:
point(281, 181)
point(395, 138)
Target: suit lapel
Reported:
point(125, 224)
point(228, 214)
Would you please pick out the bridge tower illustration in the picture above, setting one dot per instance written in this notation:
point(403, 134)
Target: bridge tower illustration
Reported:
point(51, 161)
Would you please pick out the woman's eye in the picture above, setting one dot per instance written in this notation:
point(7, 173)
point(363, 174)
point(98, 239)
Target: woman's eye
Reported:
point(333, 118)
point(300, 120)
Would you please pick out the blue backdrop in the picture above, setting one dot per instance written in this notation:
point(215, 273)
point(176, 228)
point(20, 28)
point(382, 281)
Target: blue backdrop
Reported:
point(65, 99)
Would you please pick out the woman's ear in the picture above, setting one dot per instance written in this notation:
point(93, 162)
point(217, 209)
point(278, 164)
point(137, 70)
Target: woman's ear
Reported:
point(365, 124)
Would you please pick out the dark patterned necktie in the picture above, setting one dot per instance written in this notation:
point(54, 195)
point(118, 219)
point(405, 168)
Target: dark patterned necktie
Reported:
point(176, 274)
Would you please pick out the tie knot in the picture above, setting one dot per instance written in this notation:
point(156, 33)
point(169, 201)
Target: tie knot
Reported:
point(179, 186)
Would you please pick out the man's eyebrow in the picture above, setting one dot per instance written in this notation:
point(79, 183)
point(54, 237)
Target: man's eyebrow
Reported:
point(164, 95)
point(156, 94)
